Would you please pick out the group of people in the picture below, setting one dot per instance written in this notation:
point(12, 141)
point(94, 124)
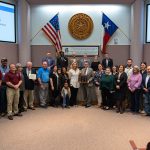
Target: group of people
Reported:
point(59, 80)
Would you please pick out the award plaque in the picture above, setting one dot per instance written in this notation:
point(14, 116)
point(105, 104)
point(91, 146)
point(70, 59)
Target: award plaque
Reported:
point(84, 79)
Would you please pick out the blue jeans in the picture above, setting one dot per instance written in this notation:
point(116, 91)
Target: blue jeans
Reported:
point(65, 100)
point(147, 103)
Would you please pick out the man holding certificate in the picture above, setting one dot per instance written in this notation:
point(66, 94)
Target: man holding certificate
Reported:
point(29, 78)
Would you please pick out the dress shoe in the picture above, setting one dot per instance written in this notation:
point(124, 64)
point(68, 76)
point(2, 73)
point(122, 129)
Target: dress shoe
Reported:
point(18, 114)
point(3, 114)
point(32, 108)
point(117, 111)
point(107, 108)
point(67, 107)
point(87, 106)
point(43, 106)
point(10, 117)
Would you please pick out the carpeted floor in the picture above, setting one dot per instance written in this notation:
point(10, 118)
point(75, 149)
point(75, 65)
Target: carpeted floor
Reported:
point(77, 128)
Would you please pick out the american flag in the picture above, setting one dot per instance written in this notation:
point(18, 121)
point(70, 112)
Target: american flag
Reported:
point(52, 30)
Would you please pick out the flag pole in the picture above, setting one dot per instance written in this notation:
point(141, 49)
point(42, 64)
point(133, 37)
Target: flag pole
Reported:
point(35, 35)
point(124, 34)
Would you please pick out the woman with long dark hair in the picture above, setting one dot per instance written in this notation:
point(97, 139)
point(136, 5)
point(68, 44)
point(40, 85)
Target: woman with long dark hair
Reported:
point(55, 87)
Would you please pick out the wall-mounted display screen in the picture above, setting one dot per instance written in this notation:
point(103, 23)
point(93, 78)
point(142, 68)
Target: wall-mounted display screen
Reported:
point(148, 24)
point(7, 22)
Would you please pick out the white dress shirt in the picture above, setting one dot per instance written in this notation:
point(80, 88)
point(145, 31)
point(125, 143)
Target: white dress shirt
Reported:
point(146, 81)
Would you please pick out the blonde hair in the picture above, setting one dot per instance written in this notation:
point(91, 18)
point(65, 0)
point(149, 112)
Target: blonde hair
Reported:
point(137, 68)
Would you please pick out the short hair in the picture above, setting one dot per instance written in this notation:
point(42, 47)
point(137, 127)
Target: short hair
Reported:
point(18, 65)
point(4, 59)
point(44, 62)
point(130, 59)
point(29, 62)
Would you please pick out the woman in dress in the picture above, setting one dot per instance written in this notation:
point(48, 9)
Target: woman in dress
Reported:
point(121, 87)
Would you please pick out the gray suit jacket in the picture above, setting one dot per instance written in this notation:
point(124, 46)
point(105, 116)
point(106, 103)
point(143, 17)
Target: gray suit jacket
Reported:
point(81, 62)
point(90, 75)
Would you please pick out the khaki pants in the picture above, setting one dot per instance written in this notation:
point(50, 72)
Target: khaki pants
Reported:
point(12, 100)
point(28, 95)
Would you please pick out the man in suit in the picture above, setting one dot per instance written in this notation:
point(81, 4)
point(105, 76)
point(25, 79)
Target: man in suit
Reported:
point(50, 61)
point(62, 60)
point(29, 87)
point(146, 90)
point(83, 60)
point(107, 62)
point(86, 80)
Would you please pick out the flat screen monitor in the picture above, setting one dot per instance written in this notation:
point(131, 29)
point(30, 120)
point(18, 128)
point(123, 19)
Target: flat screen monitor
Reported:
point(148, 24)
point(7, 22)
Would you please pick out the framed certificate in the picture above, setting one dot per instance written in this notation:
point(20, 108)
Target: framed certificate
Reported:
point(32, 76)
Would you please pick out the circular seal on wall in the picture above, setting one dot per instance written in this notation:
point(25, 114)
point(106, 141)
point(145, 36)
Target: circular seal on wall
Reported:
point(80, 26)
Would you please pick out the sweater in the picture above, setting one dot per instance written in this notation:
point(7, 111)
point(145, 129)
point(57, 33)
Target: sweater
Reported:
point(107, 82)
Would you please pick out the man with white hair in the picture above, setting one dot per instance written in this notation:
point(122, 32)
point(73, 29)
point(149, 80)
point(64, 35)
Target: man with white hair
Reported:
point(43, 76)
point(146, 90)
point(29, 86)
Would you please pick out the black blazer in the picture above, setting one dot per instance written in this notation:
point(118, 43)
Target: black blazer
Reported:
point(110, 63)
point(55, 80)
point(122, 81)
point(143, 82)
point(144, 73)
point(62, 62)
point(29, 84)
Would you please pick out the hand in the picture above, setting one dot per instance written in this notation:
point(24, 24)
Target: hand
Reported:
point(117, 87)
point(97, 83)
point(52, 88)
point(130, 89)
point(42, 86)
point(145, 89)
point(16, 87)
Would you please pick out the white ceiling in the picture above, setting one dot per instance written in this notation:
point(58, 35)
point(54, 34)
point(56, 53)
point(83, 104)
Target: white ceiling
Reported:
point(80, 1)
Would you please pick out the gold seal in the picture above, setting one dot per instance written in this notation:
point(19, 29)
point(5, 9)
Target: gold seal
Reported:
point(80, 26)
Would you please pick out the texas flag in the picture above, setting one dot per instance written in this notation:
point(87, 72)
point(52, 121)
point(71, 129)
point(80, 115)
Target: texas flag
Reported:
point(109, 28)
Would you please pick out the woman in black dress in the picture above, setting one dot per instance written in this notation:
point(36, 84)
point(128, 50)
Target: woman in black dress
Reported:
point(121, 86)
